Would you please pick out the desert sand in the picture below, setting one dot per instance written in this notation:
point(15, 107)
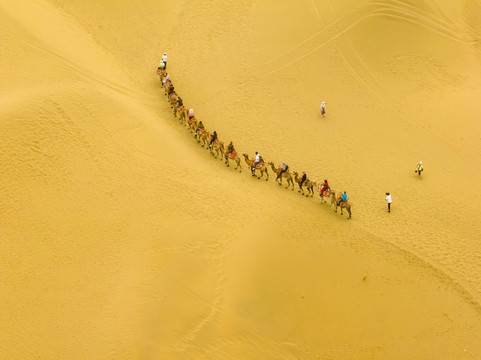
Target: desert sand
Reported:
point(122, 238)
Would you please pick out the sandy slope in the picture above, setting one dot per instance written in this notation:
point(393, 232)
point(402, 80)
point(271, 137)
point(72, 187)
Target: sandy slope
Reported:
point(123, 239)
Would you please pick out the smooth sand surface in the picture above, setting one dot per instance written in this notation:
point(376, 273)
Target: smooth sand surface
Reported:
point(122, 238)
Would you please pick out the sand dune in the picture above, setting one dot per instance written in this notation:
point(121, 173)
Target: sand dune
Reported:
point(122, 238)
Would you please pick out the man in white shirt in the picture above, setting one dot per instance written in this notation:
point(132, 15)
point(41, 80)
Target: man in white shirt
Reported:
point(258, 159)
point(164, 60)
point(323, 109)
point(389, 201)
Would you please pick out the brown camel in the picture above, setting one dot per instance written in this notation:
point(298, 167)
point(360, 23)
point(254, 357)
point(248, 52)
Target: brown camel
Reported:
point(162, 74)
point(173, 97)
point(193, 124)
point(261, 166)
point(232, 156)
point(204, 137)
point(217, 146)
point(168, 84)
point(181, 110)
point(325, 193)
point(182, 115)
point(307, 183)
point(342, 204)
point(285, 174)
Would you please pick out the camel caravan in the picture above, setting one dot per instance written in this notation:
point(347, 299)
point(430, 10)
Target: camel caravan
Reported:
point(257, 165)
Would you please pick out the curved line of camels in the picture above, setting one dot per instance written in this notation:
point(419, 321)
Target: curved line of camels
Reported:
point(204, 138)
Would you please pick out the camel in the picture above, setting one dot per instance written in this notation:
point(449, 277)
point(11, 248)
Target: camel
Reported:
point(173, 97)
point(326, 192)
point(261, 166)
point(162, 73)
point(168, 84)
point(308, 183)
point(343, 205)
point(218, 147)
point(286, 174)
point(182, 114)
point(181, 110)
point(233, 156)
point(192, 124)
point(204, 136)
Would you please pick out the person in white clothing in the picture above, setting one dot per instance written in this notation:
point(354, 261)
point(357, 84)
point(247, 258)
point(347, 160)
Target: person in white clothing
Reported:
point(257, 161)
point(389, 202)
point(164, 60)
point(166, 77)
point(323, 109)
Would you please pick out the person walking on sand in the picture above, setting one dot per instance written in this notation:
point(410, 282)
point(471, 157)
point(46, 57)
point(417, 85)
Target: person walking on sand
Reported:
point(164, 60)
point(323, 109)
point(419, 168)
point(389, 202)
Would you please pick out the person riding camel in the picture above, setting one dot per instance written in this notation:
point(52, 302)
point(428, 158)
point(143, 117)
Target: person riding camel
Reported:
point(166, 78)
point(324, 188)
point(342, 198)
point(304, 178)
point(160, 68)
point(179, 102)
point(171, 90)
point(213, 138)
point(200, 127)
point(191, 113)
point(419, 168)
point(230, 150)
point(256, 161)
point(283, 170)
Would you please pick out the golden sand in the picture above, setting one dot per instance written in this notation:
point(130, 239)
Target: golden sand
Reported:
point(123, 239)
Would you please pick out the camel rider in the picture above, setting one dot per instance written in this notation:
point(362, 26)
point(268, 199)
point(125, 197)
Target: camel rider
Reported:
point(256, 161)
point(419, 168)
point(171, 90)
point(213, 138)
point(191, 113)
point(179, 102)
point(167, 77)
point(200, 126)
point(304, 178)
point(283, 170)
point(161, 66)
point(343, 198)
point(324, 187)
point(230, 149)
